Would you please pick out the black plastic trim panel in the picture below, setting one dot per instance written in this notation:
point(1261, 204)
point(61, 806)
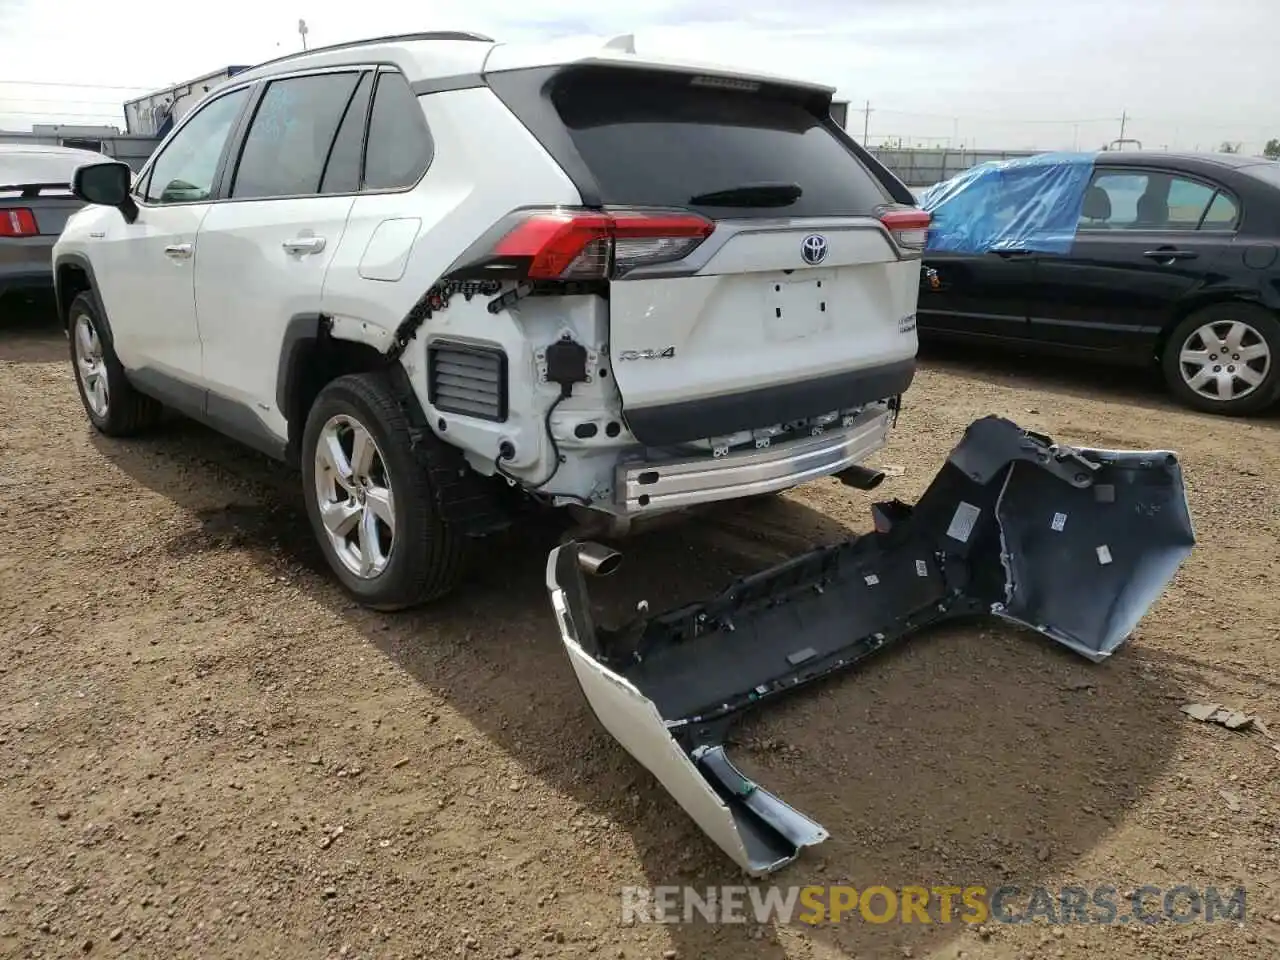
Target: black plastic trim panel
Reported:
point(461, 81)
point(230, 417)
point(673, 423)
point(434, 347)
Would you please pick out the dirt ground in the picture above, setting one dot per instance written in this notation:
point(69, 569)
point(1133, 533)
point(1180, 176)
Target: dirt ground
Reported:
point(207, 751)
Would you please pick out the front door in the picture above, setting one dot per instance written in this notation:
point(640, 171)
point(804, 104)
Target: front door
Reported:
point(975, 295)
point(144, 270)
point(1119, 285)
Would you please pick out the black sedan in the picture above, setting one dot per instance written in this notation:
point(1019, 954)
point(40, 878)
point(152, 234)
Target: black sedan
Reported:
point(1133, 258)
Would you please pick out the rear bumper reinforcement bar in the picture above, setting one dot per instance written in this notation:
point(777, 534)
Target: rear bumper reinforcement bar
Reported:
point(1074, 543)
point(660, 485)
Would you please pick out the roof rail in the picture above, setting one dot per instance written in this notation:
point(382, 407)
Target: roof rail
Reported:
point(398, 37)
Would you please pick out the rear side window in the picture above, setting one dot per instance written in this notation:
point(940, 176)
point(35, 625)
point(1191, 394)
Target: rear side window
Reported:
point(1222, 213)
point(342, 171)
point(1161, 201)
point(400, 146)
point(295, 124)
point(661, 140)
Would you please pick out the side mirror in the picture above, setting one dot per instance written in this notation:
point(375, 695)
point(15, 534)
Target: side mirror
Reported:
point(106, 184)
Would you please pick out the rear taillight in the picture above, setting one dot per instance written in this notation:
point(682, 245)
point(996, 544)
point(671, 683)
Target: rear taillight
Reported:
point(908, 226)
point(581, 244)
point(18, 222)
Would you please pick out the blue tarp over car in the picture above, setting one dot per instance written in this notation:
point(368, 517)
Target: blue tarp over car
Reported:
point(1029, 203)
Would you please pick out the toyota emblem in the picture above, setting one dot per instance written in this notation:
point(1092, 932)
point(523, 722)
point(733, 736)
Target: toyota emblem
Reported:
point(813, 249)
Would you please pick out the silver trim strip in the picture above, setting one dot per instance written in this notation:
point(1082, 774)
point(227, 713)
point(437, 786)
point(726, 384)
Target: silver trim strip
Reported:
point(727, 230)
point(686, 482)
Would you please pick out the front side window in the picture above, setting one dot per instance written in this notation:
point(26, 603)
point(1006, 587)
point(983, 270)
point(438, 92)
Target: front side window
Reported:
point(184, 172)
point(291, 135)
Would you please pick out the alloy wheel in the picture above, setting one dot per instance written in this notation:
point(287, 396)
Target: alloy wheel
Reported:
point(354, 496)
point(91, 368)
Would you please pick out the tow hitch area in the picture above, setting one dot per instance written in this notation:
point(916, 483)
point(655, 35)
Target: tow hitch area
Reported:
point(1074, 543)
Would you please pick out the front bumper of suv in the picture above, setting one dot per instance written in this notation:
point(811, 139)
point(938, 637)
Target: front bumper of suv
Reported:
point(652, 485)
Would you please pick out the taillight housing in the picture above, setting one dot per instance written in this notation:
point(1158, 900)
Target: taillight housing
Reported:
point(579, 245)
point(909, 226)
point(18, 222)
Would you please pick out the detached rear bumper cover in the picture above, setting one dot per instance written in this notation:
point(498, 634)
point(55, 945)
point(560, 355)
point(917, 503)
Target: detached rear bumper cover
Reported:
point(1074, 543)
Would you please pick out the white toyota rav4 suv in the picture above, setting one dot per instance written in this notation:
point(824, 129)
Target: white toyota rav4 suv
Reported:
point(449, 277)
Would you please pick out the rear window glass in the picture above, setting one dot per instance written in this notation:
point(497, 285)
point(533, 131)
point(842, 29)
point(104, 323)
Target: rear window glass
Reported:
point(652, 140)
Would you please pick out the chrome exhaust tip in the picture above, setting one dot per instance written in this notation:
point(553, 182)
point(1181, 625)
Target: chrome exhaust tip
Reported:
point(597, 559)
point(861, 478)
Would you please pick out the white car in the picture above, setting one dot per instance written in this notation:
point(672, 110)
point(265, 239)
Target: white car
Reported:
point(452, 279)
point(430, 267)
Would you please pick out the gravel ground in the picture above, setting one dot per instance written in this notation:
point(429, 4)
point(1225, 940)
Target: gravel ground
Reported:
point(207, 751)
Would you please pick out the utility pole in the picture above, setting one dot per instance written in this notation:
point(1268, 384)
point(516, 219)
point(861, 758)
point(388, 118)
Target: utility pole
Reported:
point(866, 121)
point(1124, 120)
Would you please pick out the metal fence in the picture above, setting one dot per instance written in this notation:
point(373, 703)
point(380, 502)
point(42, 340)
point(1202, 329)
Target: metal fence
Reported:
point(923, 167)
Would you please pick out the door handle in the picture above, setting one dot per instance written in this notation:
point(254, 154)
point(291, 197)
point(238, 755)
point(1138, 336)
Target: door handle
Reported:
point(300, 246)
point(178, 251)
point(1169, 254)
point(1012, 254)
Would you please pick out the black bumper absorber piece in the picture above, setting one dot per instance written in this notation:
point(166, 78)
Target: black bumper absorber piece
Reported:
point(1074, 543)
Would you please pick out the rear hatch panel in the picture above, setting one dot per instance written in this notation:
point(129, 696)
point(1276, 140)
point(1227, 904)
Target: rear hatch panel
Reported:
point(1074, 543)
point(799, 280)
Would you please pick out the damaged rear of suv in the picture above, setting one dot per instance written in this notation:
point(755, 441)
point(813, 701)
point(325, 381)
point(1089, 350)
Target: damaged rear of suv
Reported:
point(734, 289)
point(452, 280)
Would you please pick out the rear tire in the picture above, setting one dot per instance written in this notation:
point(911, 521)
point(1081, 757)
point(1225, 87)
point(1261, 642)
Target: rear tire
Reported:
point(1225, 359)
point(113, 406)
point(370, 500)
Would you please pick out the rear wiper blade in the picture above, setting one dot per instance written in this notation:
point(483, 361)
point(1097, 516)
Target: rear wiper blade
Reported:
point(751, 195)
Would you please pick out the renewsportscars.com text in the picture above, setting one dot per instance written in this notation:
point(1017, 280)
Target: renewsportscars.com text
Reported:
point(941, 904)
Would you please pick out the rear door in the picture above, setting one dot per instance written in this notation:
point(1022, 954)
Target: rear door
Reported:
point(265, 248)
point(1120, 284)
point(799, 303)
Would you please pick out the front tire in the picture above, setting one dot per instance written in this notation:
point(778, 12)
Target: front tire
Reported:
point(1225, 359)
point(370, 501)
point(111, 403)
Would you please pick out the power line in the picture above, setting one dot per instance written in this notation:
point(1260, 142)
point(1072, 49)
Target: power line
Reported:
point(81, 86)
point(25, 100)
point(116, 115)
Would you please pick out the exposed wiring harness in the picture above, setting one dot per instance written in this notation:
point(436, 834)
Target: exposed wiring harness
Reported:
point(565, 364)
point(557, 459)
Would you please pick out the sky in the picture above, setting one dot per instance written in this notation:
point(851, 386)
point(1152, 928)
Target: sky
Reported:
point(1012, 74)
